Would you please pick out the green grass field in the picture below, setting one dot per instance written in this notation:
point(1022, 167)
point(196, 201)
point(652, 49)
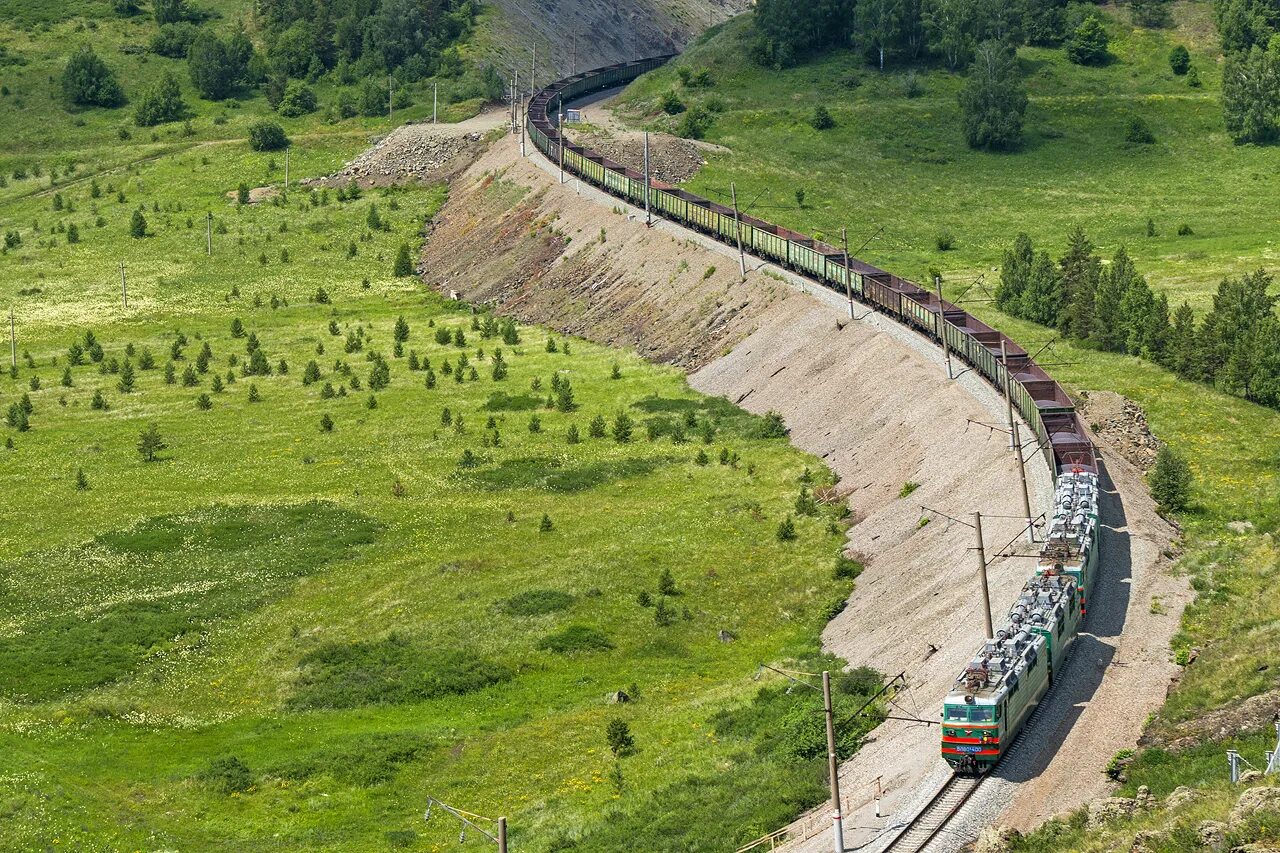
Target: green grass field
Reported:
point(276, 636)
point(901, 163)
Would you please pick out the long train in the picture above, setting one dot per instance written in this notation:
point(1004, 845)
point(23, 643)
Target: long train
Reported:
point(999, 690)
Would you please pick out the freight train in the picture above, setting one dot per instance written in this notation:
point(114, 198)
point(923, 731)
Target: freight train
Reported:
point(1004, 683)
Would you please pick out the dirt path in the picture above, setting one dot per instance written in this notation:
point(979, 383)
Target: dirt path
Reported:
point(872, 399)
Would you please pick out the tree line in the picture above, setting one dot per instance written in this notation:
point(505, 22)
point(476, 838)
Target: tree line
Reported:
point(1111, 307)
point(1250, 31)
point(356, 43)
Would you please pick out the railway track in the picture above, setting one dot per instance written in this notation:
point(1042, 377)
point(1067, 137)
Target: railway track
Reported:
point(934, 817)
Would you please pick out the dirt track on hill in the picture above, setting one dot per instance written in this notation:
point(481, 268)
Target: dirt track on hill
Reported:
point(872, 399)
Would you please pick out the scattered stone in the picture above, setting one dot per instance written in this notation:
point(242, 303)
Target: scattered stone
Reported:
point(1122, 424)
point(1213, 834)
point(727, 636)
point(407, 153)
point(1146, 841)
point(1103, 812)
point(1255, 848)
point(1240, 526)
point(1180, 796)
point(619, 698)
point(1248, 777)
point(996, 839)
point(1253, 801)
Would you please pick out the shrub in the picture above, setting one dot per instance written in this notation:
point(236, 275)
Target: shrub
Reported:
point(298, 100)
point(787, 530)
point(1137, 132)
point(945, 240)
point(536, 602)
point(1180, 60)
point(821, 118)
point(267, 136)
point(88, 82)
point(227, 775)
point(1171, 481)
point(161, 103)
point(1087, 45)
point(1184, 230)
point(574, 639)
point(1193, 78)
point(671, 103)
point(618, 735)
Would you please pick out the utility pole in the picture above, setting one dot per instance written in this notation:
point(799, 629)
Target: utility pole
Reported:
point(13, 343)
point(533, 72)
point(1008, 397)
point(942, 326)
point(848, 271)
point(573, 63)
point(435, 100)
point(833, 766)
point(523, 122)
point(737, 219)
point(124, 286)
point(390, 96)
point(982, 576)
point(515, 100)
point(286, 167)
point(648, 217)
point(502, 835)
point(208, 233)
point(1022, 475)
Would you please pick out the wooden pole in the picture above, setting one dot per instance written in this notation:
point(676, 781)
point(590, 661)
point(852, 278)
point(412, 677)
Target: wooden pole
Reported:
point(737, 219)
point(435, 101)
point(942, 326)
point(13, 342)
point(833, 765)
point(286, 167)
point(848, 271)
point(124, 286)
point(560, 131)
point(502, 835)
point(208, 233)
point(982, 576)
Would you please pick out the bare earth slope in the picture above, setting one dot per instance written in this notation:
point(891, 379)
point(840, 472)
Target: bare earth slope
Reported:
point(873, 400)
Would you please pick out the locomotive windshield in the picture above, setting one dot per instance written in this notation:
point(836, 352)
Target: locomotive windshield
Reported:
point(957, 713)
point(982, 713)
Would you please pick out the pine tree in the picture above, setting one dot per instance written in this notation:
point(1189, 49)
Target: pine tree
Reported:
point(787, 530)
point(622, 427)
point(138, 224)
point(1079, 283)
point(99, 402)
point(253, 393)
point(401, 332)
point(404, 262)
point(596, 429)
point(216, 386)
point(146, 361)
point(667, 583)
point(1171, 481)
point(82, 482)
point(564, 396)
point(204, 402)
point(1042, 301)
point(66, 377)
point(126, 377)
point(572, 436)
point(326, 423)
point(545, 525)
point(1015, 272)
point(150, 443)
point(170, 374)
point(189, 378)
point(1182, 342)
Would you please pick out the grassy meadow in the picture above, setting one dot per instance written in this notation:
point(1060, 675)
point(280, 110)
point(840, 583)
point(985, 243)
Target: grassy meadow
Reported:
point(281, 635)
point(899, 162)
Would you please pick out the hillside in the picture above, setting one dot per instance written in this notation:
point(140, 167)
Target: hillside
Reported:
point(896, 160)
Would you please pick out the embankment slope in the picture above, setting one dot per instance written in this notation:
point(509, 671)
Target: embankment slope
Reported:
point(868, 396)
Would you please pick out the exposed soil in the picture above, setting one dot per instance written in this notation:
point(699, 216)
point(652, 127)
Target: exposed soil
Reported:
point(671, 159)
point(1248, 716)
point(417, 152)
point(872, 399)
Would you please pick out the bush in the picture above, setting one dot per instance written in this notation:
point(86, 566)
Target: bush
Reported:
point(618, 735)
point(298, 100)
point(1170, 481)
point(694, 124)
point(671, 103)
point(945, 240)
point(821, 118)
point(574, 639)
point(1087, 45)
point(787, 530)
point(161, 103)
point(267, 136)
point(88, 82)
point(227, 775)
point(536, 602)
point(1184, 230)
point(1180, 60)
point(174, 40)
point(1137, 132)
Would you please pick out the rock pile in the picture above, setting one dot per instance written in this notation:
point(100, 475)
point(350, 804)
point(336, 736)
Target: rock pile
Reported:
point(1122, 424)
point(407, 153)
point(672, 160)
